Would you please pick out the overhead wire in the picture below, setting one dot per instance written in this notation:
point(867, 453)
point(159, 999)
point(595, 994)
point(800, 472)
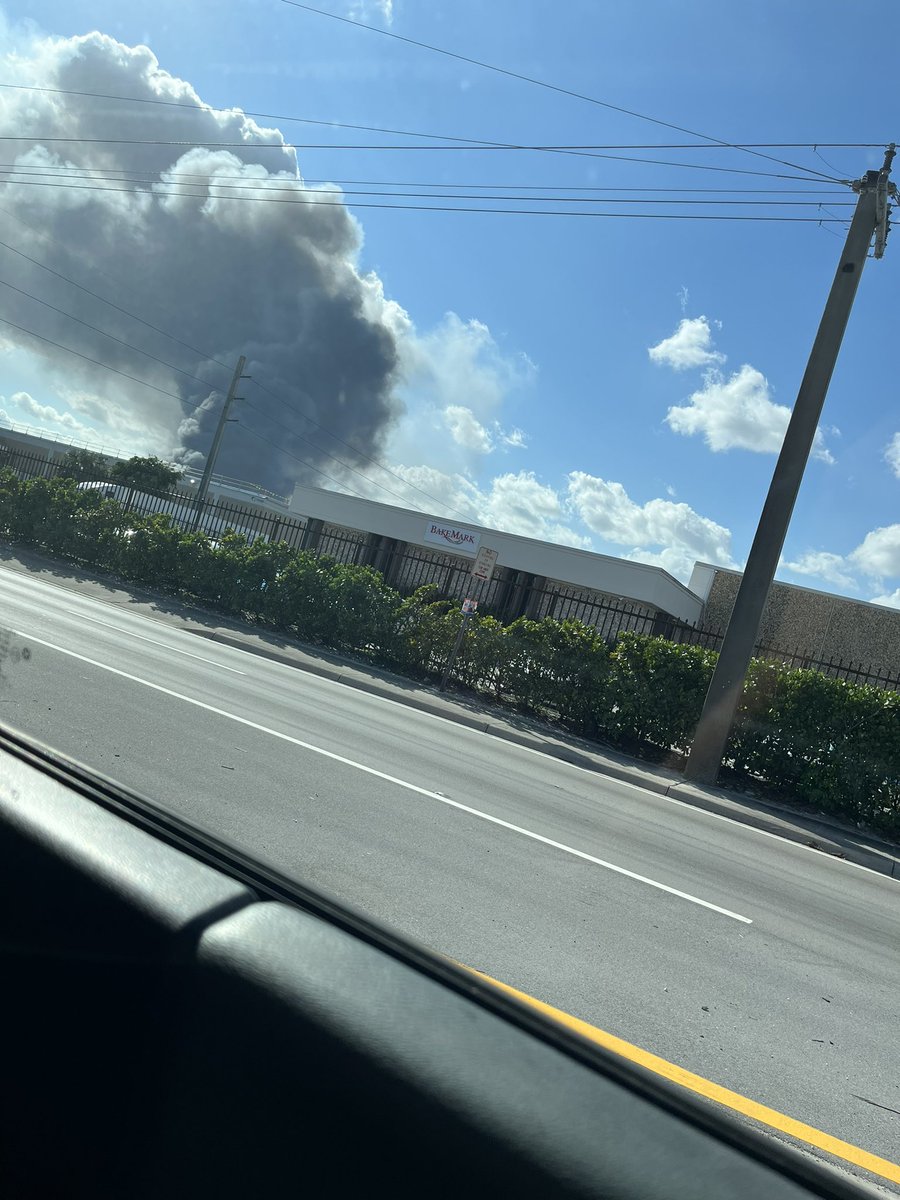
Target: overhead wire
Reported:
point(469, 144)
point(713, 144)
point(135, 175)
point(103, 299)
point(281, 450)
point(297, 188)
point(458, 208)
point(580, 152)
point(544, 84)
point(96, 361)
point(294, 433)
point(165, 392)
point(208, 357)
point(96, 329)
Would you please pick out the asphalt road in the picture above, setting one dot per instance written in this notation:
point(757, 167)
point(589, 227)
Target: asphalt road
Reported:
point(749, 960)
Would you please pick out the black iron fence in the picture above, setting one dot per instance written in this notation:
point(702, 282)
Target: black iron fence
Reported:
point(509, 594)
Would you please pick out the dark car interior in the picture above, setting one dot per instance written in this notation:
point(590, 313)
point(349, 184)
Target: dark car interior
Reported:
point(179, 1021)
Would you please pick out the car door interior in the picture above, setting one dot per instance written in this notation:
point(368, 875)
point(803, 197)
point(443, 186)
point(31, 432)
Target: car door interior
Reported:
point(180, 1021)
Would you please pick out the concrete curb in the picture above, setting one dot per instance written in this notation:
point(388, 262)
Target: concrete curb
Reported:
point(813, 832)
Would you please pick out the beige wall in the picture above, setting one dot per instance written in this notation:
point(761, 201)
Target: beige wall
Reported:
point(815, 623)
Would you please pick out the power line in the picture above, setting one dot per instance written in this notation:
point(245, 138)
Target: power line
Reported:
point(205, 355)
point(96, 361)
point(281, 450)
point(544, 84)
point(135, 175)
point(580, 152)
point(96, 329)
point(715, 143)
point(536, 212)
point(248, 184)
point(340, 462)
point(97, 296)
point(175, 396)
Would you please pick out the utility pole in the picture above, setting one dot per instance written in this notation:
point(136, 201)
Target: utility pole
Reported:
point(870, 218)
point(200, 498)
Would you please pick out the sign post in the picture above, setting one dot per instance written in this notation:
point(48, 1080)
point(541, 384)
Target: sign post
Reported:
point(468, 608)
point(482, 571)
point(483, 566)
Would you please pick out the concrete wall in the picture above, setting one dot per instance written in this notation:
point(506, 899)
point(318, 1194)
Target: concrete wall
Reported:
point(813, 623)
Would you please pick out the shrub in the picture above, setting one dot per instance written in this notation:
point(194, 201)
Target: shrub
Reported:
point(151, 552)
point(361, 610)
point(425, 630)
point(826, 742)
point(298, 596)
point(656, 690)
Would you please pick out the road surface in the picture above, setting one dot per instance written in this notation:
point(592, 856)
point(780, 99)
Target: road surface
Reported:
point(752, 961)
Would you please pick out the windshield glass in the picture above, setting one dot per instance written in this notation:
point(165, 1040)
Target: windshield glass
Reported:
point(446, 451)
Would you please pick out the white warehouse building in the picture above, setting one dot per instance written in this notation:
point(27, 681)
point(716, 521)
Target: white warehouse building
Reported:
point(412, 547)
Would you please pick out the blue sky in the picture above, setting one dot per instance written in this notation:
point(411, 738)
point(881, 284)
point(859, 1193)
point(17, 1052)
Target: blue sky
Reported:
point(612, 382)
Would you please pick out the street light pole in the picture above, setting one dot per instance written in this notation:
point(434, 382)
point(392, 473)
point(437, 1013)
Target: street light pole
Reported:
point(714, 727)
point(200, 499)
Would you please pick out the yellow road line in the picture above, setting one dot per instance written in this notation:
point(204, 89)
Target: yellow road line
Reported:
point(712, 1091)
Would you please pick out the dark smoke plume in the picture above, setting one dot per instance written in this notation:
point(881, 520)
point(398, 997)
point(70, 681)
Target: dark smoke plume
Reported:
point(277, 282)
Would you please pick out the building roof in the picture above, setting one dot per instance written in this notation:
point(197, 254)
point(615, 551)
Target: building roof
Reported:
point(619, 576)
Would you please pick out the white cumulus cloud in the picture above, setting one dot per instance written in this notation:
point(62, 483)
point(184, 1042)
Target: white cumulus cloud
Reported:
point(892, 454)
point(365, 10)
point(466, 430)
point(878, 554)
point(822, 564)
point(514, 438)
point(737, 413)
point(514, 502)
point(690, 345)
point(661, 531)
point(889, 600)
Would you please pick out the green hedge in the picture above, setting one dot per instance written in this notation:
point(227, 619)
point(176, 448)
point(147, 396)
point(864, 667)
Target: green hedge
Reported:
point(799, 734)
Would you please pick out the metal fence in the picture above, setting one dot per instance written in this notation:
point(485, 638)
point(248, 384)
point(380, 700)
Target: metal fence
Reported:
point(507, 595)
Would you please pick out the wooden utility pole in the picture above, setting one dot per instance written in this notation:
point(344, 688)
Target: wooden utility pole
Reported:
point(869, 219)
point(200, 498)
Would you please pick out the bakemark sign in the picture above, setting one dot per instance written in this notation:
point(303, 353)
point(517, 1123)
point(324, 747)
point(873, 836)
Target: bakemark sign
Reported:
point(461, 541)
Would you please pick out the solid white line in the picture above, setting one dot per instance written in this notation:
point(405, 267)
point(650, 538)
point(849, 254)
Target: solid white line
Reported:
point(411, 787)
point(165, 645)
point(609, 781)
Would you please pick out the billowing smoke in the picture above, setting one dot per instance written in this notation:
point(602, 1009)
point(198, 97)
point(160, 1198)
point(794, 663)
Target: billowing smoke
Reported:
point(274, 278)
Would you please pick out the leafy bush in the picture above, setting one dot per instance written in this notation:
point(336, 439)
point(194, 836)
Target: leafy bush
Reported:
point(85, 465)
point(827, 742)
point(557, 667)
point(146, 474)
point(425, 631)
point(151, 552)
point(298, 597)
point(361, 610)
point(657, 690)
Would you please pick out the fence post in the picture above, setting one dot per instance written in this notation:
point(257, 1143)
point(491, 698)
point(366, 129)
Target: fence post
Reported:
point(532, 598)
point(385, 558)
point(368, 553)
point(518, 598)
point(663, 626)
point(312, 535)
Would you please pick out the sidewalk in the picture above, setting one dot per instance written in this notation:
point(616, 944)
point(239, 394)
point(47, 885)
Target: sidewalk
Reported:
point(820, 832)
